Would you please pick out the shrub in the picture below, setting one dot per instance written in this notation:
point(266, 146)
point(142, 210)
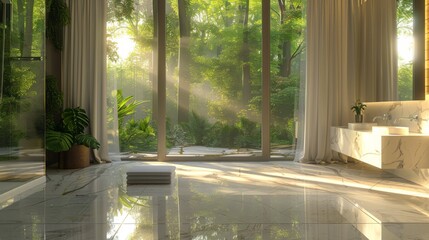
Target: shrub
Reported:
point(249, 134)
point(283, 133)
point(196, 129)
point(137, 135)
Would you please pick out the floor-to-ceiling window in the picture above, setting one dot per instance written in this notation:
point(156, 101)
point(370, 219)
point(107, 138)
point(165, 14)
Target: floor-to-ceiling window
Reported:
point(214, 77)
point(131, 69)
point(287, 72)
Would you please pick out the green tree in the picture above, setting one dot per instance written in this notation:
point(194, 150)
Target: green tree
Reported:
point(184, 60)
point(405, 83)
point(214, 46)
point(290, 30)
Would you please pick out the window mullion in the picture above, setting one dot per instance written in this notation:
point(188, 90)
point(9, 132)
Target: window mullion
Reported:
point(265, 128)
point(161, 81)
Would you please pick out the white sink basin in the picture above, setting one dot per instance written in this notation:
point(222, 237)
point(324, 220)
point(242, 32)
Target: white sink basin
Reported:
point(390, 130)
point(361, 126)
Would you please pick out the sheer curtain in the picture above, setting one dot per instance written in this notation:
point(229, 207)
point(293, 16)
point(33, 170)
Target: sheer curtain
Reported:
point(336, 68)
point(84, 66)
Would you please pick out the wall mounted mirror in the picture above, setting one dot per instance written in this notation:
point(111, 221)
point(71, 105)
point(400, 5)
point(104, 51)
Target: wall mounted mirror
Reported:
point(411, 39)
point(389, 70)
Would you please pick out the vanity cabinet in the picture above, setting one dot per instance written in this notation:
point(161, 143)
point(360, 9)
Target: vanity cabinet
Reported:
point(389, 151)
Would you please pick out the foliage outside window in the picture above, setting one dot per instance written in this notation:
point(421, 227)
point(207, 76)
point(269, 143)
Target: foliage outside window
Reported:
point(214, 88)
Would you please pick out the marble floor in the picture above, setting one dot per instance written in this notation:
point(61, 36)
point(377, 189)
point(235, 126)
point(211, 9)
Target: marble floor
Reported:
point(241, 200)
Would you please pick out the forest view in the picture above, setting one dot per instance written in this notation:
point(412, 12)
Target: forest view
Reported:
point(214, 87)
point(213, 67)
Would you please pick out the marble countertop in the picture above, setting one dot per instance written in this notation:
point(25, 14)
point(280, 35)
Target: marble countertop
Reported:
point(391, 151)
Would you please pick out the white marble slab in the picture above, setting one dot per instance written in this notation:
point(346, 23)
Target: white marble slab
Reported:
point(399, 109)
point(360, 145)
point(383, 151)
point(361, 126)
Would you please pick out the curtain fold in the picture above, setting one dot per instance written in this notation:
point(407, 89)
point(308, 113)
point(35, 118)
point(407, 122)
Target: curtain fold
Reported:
point(345, 54)
point(84, 66)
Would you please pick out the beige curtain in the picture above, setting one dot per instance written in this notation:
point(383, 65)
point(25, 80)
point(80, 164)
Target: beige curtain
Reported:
point(84, 66)
point(343, 64)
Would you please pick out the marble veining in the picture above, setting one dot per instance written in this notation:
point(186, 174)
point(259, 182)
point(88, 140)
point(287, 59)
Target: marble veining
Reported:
point(383, 151)
point(261, 200)
point(399, 109)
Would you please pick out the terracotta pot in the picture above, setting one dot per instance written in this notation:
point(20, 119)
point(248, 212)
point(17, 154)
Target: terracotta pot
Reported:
point(76, 157)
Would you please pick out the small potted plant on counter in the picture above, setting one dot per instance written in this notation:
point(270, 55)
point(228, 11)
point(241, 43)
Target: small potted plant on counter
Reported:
point(71, 139)
point(358, 109)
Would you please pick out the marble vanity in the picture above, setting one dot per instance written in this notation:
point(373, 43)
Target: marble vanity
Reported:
point(384, 148)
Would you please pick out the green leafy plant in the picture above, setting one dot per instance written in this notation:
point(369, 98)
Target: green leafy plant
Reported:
point(54, 103)
point(283, 134)
point(57, 16)
point(242, 134)
point(136, 135)
point(197, 128)
point(358, 108)
point(126, 106)
point(250, 133)
point(74, 122)
point(10, 130)
point(177, 135)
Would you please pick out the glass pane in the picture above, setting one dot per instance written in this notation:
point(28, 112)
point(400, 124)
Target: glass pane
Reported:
point(27, 29)
point(287, 72)
point(130, 71)
point(405, 49)
point(22, 123)
point(214, 79)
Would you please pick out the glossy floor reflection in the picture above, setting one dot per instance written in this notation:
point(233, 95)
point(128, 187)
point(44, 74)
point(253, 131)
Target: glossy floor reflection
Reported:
point(274, 200)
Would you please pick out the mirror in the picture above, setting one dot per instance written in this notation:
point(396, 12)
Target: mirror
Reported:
point(411, 72)
point(384, 74)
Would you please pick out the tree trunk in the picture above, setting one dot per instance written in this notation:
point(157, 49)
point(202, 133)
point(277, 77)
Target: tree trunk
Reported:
point(285, 64)
point(28, 37)
point(245, 77)
point(184, 61)
point(21, 26)
point(285, 46)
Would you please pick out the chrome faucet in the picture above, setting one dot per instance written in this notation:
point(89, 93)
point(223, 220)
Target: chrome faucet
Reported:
point(412, 117)
point(385, 117)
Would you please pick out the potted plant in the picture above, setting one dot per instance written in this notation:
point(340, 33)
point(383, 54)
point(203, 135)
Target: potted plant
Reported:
point(71, 139)
point(358, 109)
